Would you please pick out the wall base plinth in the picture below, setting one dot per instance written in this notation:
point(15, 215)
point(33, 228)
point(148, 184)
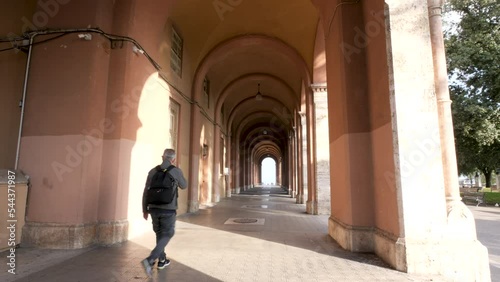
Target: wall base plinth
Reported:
point(112, 232)
point(58, 236)
point(351, 238)
point(73, 236)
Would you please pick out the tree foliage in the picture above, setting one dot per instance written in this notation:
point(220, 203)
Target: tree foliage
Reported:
point(473, 58)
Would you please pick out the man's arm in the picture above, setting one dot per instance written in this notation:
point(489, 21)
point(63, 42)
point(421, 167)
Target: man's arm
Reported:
point(180, 179)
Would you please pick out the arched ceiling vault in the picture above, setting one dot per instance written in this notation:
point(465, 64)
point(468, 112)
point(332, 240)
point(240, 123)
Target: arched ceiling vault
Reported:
point(245, 86)
point(254, 42)
point(268, 119)
point(266, 149)
point(259, 132)
point(203, 25)
point(264, 140)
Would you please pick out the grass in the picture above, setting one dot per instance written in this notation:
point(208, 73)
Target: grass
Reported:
point(491, 198)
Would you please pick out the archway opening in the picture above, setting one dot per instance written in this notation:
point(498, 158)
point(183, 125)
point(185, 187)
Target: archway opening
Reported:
point(268, 171)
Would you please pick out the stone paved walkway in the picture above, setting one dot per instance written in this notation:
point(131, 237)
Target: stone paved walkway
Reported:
point(279, 243)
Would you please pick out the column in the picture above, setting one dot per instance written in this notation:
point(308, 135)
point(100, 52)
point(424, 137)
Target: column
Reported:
point(461, 229)
point(237, 168)
point(301, 197)
point(321, 202)
point(217, 177)
point(227, 174)
point(291, 166)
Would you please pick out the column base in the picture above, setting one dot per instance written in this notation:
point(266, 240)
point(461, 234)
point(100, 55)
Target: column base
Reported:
point(228, 193)
point(312, 207)
point(351, 238)
point(193, 206)
point(453, 256)
point(458, 260)
point(215, 198)
point(237, 190)
point(300, 199)
point(73, 236)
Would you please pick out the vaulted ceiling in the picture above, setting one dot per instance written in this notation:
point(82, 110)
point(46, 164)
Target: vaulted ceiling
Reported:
point(246, 43)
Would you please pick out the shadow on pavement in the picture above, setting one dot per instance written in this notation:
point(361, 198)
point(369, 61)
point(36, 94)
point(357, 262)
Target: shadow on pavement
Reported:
point(312, 236)
point(120, 262)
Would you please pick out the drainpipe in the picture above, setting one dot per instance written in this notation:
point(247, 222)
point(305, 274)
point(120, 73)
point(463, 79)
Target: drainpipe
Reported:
point(443, 102)
point(23, 101)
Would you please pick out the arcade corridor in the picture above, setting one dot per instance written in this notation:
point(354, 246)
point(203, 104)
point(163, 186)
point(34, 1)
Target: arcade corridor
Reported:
point(329, 90)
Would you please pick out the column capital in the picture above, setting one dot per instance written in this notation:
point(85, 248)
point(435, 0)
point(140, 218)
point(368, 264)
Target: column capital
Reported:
point(318, 87)
point(435, 7)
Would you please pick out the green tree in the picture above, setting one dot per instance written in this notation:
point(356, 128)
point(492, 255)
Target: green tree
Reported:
point(473, 57)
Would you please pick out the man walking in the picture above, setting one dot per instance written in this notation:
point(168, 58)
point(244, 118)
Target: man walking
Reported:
point(163, 215)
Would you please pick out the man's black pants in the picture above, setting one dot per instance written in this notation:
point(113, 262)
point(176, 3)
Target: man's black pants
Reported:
point(164, 227)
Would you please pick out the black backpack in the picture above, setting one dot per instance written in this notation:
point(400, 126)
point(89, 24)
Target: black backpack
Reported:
point(163, 187)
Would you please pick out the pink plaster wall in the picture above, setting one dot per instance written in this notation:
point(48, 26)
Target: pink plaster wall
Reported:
point(350, 149)
point(359, 112)
point(84, 91)
point(62, 108)
point(385, 194)
point(319, 60)
point(12, 65)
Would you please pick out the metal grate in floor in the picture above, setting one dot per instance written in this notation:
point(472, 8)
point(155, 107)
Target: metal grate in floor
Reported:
point(246, 221)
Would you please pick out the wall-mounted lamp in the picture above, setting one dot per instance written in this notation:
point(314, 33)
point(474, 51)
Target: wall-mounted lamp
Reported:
point(85, 36)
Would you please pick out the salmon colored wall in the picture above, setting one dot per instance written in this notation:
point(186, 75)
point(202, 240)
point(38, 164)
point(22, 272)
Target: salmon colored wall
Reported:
point(360, 116)
point(385, 194)
point(319, 60)
point(14, 15)
point(350, 148)
point(59, 150)
point(84, 91)
point(146, 98)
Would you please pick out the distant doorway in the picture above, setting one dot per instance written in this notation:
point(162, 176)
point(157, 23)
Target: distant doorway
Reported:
point(268, 171)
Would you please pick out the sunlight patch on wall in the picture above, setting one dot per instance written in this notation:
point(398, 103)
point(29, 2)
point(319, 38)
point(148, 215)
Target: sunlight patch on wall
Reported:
point(151, 140)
